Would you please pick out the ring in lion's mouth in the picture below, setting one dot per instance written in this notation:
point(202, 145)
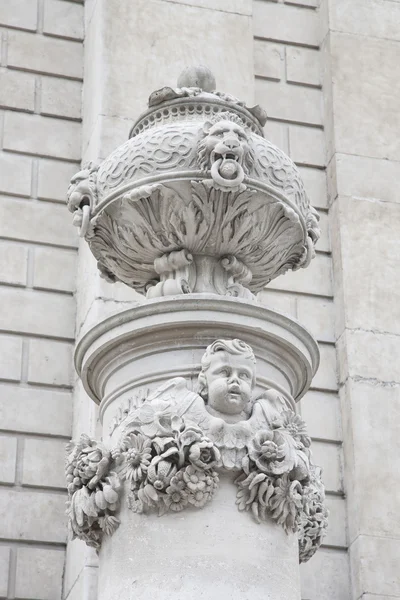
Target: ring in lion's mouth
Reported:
point(225, 156)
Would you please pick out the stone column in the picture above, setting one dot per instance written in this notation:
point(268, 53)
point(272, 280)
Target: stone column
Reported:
point(361, 47)
point(204, 481)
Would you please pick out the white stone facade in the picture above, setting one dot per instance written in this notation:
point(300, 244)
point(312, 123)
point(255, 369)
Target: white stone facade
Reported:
point(326, 72)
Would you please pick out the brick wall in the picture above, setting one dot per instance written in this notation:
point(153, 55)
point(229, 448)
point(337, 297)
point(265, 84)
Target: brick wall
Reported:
point(41, 71)
point(288, 83)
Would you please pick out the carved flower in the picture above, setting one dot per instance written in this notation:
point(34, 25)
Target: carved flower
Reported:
point(286, 503)
point(154, 418)
point(88, 462)
point(295, 425)
point(204, 454)
point(194, 478)
point(267, 450)
point(160, 473)
point(136, 451)
point(177, 496)
point(109, 524)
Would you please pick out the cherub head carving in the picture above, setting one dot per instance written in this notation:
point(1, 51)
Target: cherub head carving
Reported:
point(227, 378)
point(224, 148)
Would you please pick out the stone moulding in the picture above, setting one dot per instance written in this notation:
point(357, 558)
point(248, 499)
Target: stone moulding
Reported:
point(196, 162)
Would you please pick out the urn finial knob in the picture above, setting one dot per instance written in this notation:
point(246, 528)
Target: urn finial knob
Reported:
point(200, 77)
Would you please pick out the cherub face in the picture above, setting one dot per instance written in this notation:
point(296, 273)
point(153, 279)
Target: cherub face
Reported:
point(230, 381)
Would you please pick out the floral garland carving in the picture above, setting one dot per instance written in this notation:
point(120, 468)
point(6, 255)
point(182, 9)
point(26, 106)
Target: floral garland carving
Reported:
point(169, 472)
point(93, 491)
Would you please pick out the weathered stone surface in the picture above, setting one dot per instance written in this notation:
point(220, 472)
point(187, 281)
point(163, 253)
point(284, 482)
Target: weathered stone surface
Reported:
point(50, 362)
point(376, 18)
point(13, 263)
point(290, 102)
point(4, 569)
point(366, 109)
point(321, 412)
point(34, 134)
point(19, 13)
point(43, 222)
point(336, 533)
point(10, 357)
point(364, 177)
point(364, 553)
point(307, 146)
point(61, 97)
point(285, 23)
point(53, 179)
point(368, 239)
point(8, 459)
point(317, 314)
point(41, 516)
point(39, 573)
point(369, 433)
point(43, 463)
point(17, 90)
point(15, 174)
point(315, 184)
point(316, 279)
point(55, 269)
point(269, 59)
point(35, 410)
point(80, 560)
point(44, 54)
point(328, 457)
point(61, 19)
point(37, 313)
point(303, 66)
point(327, 576)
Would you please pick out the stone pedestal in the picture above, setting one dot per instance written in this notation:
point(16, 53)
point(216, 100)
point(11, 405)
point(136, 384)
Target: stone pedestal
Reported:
point(197, 386)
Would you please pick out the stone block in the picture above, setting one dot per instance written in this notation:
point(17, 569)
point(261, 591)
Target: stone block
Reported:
point(307, 146)
point(321, 412)
point(33, 516)
point(285, 23)
point(269, 59)
point(63, 19)
point(364, 177)
point(317, 314)
point(375, 18)
point(78, 557)
point(15, 174)
point(32, 410)
point(326, 377)
point(37, 313)
point(368, 239)
point(375, 362)
point(285, 303)
point(44, 54)
point(336, 534)
point(19, 13)
point(323, 244)
point(4, 569)
point(53, 179)
point(307, 3)
point(39, 573)
point(10, 357)
point(303, 65)
point(61, 97)
point(108, 133)
point(326, 576)
point(43, 463)
point(316, 279)
point(17, 90)
point(366, 575)
point(34, 134)
point(13, 263)
point(366, 110)
point(328, 457)
point(277, 133)
point(290, 102)
point(371, 414)
point(86, 585)
point(42, 222)
point(8, 458)
point(55, 269)
point(315, 183)
point(235, 6)
point(50, 362)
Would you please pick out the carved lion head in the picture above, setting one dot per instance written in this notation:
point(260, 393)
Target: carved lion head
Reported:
point(225, 149)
